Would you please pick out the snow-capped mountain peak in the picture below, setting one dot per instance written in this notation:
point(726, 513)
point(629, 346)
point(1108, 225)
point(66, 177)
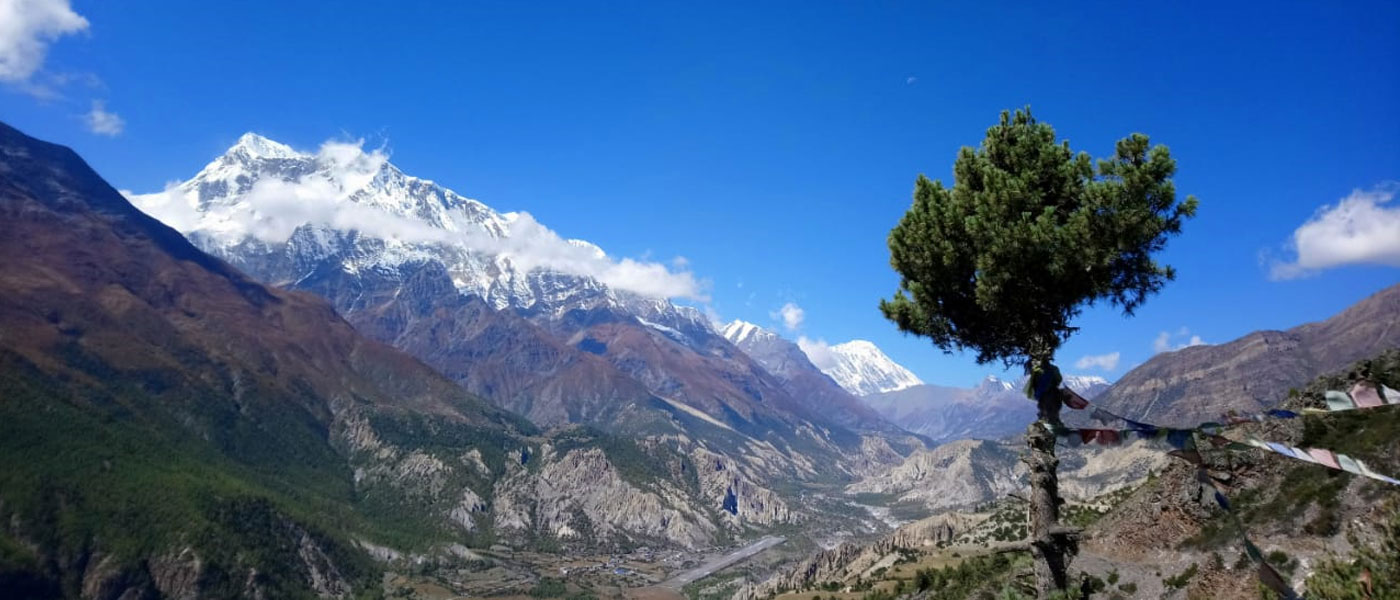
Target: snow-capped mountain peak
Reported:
point(341, 184)
point(993, 385)
point(251, 145)
point(262, 197)
point(1088, 386)
point(862, 368)
point(738, 331)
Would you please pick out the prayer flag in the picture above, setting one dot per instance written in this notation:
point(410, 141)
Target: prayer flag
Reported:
point(1325, 457)
point(1365, 395)
point(1391, 396)
point(1339, 401)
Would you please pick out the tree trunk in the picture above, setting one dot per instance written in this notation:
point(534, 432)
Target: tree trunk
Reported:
point(1051, 547)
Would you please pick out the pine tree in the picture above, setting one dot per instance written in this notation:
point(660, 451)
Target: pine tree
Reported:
point(1003, 261)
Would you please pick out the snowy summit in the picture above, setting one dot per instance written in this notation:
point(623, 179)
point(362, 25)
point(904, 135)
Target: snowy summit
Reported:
point(862, 369)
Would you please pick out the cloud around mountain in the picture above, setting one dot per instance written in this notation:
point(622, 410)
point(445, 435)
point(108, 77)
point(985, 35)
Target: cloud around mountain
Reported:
point(817, 351)
point(272, 209)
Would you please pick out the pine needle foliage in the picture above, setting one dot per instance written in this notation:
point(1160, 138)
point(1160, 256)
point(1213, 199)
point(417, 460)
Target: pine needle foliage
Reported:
point(1029, 234)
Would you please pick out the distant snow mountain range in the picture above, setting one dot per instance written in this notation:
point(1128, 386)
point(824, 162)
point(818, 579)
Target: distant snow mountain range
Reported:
point(801, 377)
point(993, 409)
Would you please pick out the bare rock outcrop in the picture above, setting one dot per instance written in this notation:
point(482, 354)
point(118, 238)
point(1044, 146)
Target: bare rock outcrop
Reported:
point(582, 489)
point(955, 475)
point(933, 530)
point(967, 473)
point(734, 489)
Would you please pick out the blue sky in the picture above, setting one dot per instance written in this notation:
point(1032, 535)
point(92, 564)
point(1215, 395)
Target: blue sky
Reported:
point(775, 145)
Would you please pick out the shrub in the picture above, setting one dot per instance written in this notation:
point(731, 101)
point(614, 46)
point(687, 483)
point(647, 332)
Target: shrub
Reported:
point(1338, 578)
point(549, 587)
point(1181, 579)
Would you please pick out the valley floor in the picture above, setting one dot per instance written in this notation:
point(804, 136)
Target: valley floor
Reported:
point(642, 574)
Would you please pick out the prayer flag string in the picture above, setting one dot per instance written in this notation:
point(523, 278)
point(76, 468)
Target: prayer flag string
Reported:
point(1268, 576)
point(1183, 441)
point(1362, 395)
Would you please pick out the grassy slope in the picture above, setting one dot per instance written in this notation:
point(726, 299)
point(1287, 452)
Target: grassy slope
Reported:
point(86, 473)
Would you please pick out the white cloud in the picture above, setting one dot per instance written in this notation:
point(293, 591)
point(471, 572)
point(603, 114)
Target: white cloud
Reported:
point(26, 29)
point(1165, 340)
point(1359, 229)
point(1162, 343)
point(272, 209)
point(910, 80)
point(716, 320)
point(533, 246)
point(791, 316)
point(1107, 362)
point(817, 351)
point(171, 206)
point(101, 122)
